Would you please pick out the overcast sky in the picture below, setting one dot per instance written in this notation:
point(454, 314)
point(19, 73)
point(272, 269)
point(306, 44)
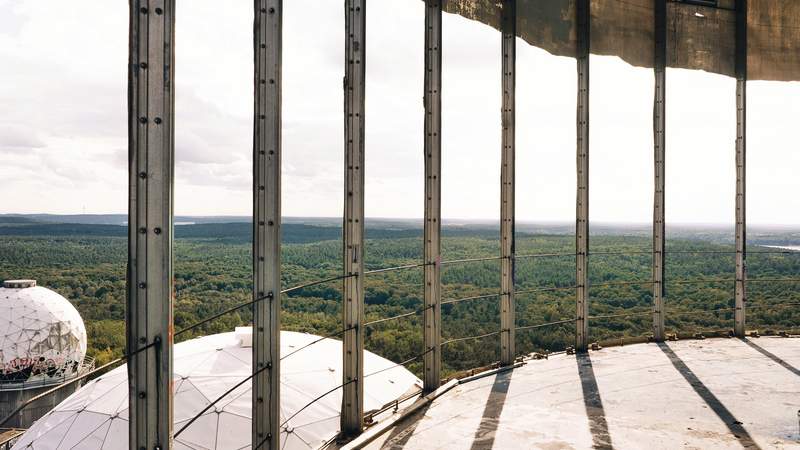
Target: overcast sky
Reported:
point(63, 136)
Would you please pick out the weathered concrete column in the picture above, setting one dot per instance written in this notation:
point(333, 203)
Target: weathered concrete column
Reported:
point(353, 228)
point(740, 289)
point(432, 318)
point(582, 200)
point(507, 219)
point(150, 290)
point(659, 142)
point(267, 223)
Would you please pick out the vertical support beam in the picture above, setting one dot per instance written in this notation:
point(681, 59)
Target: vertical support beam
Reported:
point(267, 45)
point(740, 289)
point(150, 290)
point(507, 219)
point(582, 201)
point(432, 318)
point(353, 228)
point(659, 142)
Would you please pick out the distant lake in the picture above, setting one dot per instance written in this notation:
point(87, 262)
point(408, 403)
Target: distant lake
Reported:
point(785, 247)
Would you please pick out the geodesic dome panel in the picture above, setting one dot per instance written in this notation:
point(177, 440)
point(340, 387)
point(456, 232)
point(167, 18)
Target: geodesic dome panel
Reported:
point(42, 336)
point(96, 416)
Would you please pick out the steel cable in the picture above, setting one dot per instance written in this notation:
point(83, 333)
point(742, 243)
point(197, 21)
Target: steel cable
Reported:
point(476, 297)
point(545, 289)
point(400, 316)
point(480, 336)
point(709, 281)
point(74, 380)
point(621, 283)
point(611, 316)
point(392, 269)
point(466, 260)
point(226, 393)
point(542, 325)
point(543, 255)
point(259, 299)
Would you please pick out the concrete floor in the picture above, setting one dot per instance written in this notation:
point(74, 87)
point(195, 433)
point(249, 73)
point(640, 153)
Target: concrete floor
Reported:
point(693, 394)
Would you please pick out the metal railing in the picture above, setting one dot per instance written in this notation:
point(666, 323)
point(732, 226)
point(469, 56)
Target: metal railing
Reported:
point(43, 380)
point(8, 436)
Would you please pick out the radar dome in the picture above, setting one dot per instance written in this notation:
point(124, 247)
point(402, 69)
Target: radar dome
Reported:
point(42, 336)
point(206, 368)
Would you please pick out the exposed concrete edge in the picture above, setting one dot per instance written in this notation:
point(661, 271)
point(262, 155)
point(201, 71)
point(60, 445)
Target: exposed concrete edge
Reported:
point(490, 372)
point(384, 426)
point(699, 335)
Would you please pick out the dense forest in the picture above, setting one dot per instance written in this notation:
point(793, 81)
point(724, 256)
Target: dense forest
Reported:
point(86, 264)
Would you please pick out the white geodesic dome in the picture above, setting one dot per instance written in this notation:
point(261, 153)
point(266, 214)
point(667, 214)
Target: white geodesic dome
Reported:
point(42, 336)
point(96, 416)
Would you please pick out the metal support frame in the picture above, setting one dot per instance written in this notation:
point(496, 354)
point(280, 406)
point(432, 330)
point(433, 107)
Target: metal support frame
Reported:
point(267, 45)
point(507, 219)
point(150, 290)
point(740, 290)
point(582, 200)
point(432, 317)
point(659, 143)
point(353, 226)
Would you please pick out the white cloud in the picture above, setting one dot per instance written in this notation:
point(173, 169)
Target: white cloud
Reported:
point(63, 124)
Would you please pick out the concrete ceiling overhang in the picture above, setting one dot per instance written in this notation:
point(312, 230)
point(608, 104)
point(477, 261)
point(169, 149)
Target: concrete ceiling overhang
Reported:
point(698, 37)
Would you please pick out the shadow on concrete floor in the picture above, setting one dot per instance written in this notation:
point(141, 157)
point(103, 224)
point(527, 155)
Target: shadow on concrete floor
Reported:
point(484, 436)
point(711, 400)
point(403, 431)
point(772, 356)
point(598, 426)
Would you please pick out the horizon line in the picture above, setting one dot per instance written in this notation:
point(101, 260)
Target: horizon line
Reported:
point(420, 219)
